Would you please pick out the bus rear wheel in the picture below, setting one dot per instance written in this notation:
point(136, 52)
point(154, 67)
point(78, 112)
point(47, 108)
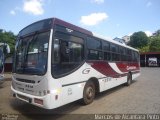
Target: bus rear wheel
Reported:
point(129, 79)
point(88, 93)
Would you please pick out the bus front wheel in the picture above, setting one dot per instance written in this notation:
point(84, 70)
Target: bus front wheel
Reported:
point(88, 93)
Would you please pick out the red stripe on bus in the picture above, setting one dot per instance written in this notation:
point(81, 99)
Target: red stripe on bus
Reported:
point(105, 69)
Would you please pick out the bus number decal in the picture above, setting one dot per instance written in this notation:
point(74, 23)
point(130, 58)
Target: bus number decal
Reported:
point(108, 79)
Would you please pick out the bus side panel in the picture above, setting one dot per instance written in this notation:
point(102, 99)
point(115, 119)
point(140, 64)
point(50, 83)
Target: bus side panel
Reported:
point(113, 82)
point(73, 84)
point(72, 92)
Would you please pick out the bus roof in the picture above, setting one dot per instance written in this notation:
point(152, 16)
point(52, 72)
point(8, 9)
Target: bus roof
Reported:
point(71, 26)
point(50, 22)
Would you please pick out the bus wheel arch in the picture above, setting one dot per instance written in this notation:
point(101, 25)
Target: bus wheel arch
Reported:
point(90, 89)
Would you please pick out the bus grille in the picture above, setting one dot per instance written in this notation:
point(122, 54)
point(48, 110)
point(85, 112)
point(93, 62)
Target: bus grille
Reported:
point(24, 80)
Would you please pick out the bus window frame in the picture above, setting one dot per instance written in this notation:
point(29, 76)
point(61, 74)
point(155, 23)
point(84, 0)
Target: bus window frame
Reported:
point(52, 51)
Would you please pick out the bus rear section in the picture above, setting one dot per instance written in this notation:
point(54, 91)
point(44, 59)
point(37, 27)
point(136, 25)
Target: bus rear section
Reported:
point(56, 63)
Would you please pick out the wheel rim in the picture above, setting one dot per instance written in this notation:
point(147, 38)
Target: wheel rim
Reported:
point(89, 92)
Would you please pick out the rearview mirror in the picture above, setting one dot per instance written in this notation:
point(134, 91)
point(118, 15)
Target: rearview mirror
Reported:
point(6, 49)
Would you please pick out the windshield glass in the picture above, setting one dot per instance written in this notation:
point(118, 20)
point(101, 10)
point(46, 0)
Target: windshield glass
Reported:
point(31, 54)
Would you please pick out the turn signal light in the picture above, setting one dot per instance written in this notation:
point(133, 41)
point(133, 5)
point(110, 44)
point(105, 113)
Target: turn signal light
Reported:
point(56, 97)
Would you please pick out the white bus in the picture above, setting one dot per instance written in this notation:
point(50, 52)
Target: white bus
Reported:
point(56, 63)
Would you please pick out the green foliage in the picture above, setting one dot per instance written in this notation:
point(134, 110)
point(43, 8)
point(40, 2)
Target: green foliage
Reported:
point(144, 49)
point(139, 40)
point(9, 38)
point(155, 44)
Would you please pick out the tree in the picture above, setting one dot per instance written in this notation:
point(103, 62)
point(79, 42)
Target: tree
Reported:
point(9, 38)
point(144, 49)
point(155, 44)
point(139, 40)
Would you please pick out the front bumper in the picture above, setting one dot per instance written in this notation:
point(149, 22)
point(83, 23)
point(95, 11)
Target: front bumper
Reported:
point(30, 98)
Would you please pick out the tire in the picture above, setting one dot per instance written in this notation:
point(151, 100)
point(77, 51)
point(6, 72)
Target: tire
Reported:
point(129, 79)
point(88, 93)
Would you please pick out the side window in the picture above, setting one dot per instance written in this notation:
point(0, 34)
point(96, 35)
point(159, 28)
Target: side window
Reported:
point(76, 52)
point(133, 56)
point(95, 55)
point(106, 49)
point(106, 46)
point(113, 48)
point(129, 55)
point(93, 43)
point(123, 54)
point(94, 49)
point(66, 54)
point(107, 56)
point(115, 52)
point(137, 59)
point(64, 51)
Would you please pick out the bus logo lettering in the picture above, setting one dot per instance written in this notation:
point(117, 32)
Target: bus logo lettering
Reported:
point(86, 71)
point(69, 30)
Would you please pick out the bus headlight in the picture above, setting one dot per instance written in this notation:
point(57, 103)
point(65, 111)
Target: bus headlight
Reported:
point(56, 91)
point(44, 92)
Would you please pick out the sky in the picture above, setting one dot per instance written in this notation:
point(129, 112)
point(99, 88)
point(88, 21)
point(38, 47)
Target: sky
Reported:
point(107, 18)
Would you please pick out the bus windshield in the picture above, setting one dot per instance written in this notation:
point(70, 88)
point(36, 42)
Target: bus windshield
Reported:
point(31, 54)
